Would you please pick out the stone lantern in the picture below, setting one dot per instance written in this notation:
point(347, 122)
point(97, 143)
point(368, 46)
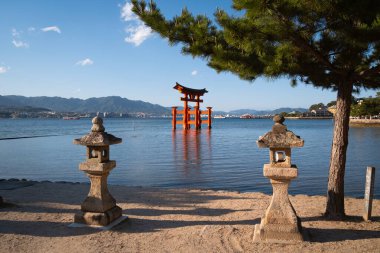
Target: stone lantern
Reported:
point(99, 208)
point(280, 222)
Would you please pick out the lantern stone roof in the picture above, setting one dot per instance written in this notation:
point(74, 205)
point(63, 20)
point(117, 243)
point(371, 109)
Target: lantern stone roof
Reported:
point(279, 137)
point(186, 90)
point(97, 136)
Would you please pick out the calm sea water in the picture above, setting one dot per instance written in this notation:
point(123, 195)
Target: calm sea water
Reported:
point(153, 155)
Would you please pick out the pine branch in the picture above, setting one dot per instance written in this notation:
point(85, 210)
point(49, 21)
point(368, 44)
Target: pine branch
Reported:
point(370, 72)
point(321, 42)
point(301, 42)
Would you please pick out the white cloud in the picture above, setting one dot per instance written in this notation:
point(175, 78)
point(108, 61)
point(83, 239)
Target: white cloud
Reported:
point(15, 33)
point(136, 31)
point(31, 29)
point(3, 69)
point(77, 90)
point(85, 62)
point(137, 34)
point(194, 73)
point(16, 41)
point(127, 13)
point(19, 43)
point(51, 29)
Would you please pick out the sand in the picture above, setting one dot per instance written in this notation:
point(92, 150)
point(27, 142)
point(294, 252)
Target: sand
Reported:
point(173, 220)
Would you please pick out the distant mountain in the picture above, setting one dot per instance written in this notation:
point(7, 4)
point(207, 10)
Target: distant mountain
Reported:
point(11, 109)
point(266, 112)
point(255, 112)
point(287, 110)
point(243, 111)
point(102, 104)
point(111, 104)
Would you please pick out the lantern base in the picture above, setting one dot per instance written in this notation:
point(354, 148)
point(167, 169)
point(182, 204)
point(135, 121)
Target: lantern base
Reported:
point(284, 233)
point(99, 219)
point(280, 222)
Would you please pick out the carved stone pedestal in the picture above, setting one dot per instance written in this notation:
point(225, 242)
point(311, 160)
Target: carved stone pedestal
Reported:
point(99, 219)
point(280, 222)
point(99, 208)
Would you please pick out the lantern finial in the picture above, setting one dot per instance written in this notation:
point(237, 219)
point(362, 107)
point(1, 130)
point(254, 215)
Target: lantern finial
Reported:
point(97, 124)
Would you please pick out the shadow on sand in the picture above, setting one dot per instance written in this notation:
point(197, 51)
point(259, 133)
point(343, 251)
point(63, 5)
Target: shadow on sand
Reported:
point(38, 209)
point(42, 216)
point(336, 235)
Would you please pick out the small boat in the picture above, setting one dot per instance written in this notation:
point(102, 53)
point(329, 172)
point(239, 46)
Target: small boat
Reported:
point(70, 118)
point(219, 117)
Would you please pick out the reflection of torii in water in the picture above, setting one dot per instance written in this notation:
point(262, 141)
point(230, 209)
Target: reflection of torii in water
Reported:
point(191, 95)
point(191, 150)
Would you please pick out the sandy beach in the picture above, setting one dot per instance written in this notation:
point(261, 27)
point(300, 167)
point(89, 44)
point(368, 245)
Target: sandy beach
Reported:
point(171, 220)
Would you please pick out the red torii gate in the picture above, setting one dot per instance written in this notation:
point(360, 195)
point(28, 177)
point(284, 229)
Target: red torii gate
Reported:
point(190, 95)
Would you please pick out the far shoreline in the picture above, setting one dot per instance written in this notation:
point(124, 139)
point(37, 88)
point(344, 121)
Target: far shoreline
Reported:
point(365, 122)
point(353, 122)
point(309, 118)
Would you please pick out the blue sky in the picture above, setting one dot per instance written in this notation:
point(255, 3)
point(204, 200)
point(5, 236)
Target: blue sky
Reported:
point(95, 48)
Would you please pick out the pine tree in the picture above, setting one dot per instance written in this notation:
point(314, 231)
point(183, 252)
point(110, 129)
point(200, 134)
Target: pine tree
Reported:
point(332, 44)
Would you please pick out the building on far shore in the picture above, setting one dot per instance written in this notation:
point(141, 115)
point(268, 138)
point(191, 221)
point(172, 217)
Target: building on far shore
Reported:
point(320, 112)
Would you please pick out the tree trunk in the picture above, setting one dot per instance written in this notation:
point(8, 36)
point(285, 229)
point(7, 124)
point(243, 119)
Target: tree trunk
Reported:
point(335, 187)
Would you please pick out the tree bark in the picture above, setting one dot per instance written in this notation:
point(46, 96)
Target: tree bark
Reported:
point(335, 187)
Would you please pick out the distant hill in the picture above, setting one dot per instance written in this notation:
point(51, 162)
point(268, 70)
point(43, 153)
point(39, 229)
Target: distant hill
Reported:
point(102, 104)
point(109, 104)
point(265, 112)
point(11, 109)
point(243, 111)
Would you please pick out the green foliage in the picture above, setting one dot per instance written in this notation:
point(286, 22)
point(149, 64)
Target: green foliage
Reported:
point(367, 107)
point(320, 42)
point(316, 106)
point(331, 103)
point(354, 100)
point(291, 114)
